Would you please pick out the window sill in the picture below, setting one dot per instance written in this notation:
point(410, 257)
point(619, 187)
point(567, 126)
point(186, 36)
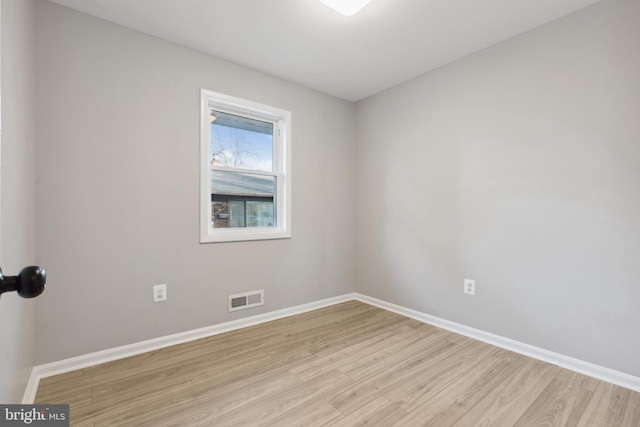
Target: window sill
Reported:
point(242, 235)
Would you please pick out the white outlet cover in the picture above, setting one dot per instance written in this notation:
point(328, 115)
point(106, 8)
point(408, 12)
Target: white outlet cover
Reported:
point(159, 293)
point(469, 286)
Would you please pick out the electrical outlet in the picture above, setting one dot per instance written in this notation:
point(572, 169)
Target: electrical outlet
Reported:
point(469, 286)
point(159, 293)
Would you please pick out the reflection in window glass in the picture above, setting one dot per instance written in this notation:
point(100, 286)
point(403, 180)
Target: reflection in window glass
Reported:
point(241, 142)
point(241, 200)
point(259, 214)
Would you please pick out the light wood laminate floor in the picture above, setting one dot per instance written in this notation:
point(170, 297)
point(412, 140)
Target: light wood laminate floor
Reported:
point(345, 365)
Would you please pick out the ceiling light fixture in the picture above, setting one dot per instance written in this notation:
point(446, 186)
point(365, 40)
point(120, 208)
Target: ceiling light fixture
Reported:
point(346, 7)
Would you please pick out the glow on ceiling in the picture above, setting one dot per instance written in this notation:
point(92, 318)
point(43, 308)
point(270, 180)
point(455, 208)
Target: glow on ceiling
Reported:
point(346, 7)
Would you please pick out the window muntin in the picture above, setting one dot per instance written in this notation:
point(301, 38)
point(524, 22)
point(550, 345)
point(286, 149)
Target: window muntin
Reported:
point(245, 180)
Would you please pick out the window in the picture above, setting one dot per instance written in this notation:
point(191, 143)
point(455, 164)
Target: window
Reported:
point(245, 170)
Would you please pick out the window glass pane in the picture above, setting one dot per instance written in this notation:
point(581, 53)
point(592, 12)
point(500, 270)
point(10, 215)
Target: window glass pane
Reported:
point(236, 214)
point(241, 200)
point(259, 214)
point(241, 142)
point(242, 184)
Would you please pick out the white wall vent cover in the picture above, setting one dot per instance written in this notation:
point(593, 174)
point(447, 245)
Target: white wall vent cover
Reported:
point(246, 300)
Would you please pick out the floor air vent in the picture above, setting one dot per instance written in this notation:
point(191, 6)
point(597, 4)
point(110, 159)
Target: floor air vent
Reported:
point(246, 300)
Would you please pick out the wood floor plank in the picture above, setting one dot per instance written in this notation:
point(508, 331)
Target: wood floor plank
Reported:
point(206, 404)
point(370, 362)
point(378, 412)
point(446, 407)
point(219, 347)
point(504, 405)
point(319, 413)
point(351, 354)
point(348, 364)
point(323, 338)
point(416, 346)
point(389, 372)
point(153, 390)
point(432, 378)
point(612, 405)
point(58, 388)
point(562, 402)
point(75, 397)
point(265, 410)
point(367, 331)
point(307, 323)
point(179, 379)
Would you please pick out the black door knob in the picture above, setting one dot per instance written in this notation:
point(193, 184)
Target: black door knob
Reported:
point(29, 283)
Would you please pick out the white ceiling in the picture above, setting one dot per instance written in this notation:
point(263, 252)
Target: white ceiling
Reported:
point(388, 42)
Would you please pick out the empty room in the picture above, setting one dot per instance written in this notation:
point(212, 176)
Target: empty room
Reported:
point(320, 212)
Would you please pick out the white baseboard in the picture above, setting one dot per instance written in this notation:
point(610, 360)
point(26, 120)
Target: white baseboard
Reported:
point(42, 371)
point(92, 359)
point(600, 372)
point(32, 387)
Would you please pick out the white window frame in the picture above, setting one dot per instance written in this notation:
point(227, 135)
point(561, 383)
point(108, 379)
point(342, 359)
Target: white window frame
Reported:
point(281, 120)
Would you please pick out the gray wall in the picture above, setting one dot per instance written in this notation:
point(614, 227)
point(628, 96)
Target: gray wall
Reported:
point(17, 215)
point(518, 167)
point(118, 158)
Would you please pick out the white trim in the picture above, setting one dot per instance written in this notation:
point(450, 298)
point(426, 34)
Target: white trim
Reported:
point(600, 372)
point(104, 356)
point(32, 387)
point(281, 120)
